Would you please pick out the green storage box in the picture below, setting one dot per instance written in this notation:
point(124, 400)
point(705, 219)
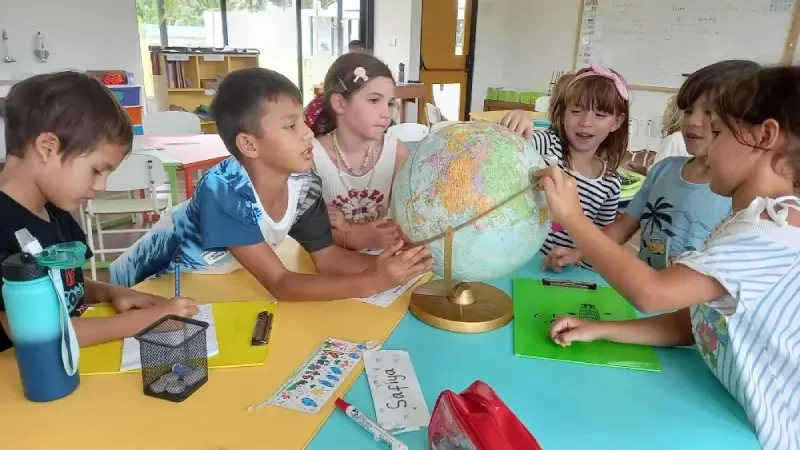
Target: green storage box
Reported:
point(512, 96)
point(493, 93)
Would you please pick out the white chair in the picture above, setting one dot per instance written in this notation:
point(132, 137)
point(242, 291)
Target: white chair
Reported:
point(432, 114)
point(171, 123)
point(438, 126)
point(408, 132)
point(137, 172)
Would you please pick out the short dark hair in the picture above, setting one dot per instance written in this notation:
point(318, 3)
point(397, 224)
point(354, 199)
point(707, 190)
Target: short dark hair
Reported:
point(239, 103)
point(710, 79)
point(340, 79)
point(75, 107)
point(356, 43)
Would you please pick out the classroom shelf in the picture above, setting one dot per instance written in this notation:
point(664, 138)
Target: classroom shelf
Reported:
point(187, 77)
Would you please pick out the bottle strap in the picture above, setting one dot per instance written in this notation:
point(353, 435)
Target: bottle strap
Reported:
point(70, 350)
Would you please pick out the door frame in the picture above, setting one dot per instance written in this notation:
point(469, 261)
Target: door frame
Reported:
point(469, 63)
point(366, 30)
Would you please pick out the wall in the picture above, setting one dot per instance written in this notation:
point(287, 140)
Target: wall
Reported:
point(520, 44)
point(79, 34)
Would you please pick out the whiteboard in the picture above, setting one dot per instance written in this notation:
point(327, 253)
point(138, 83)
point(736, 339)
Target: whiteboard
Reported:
point(654, 42)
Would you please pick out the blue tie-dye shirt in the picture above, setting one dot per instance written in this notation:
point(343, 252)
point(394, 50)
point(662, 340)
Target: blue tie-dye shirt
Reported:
point(224, 212)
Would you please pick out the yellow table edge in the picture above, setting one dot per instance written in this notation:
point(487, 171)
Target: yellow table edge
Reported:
point(300, 328)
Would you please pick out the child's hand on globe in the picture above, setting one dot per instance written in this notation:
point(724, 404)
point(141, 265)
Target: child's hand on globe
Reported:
point(560, 257)
point(519, 122)
point(561, 192)
point(394, 266)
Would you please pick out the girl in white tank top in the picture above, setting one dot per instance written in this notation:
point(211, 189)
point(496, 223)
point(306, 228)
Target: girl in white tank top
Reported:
point(353, 156)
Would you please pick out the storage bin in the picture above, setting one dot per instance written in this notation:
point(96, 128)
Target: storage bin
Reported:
point(127, 95)
point(138, 130)
point(135, 113)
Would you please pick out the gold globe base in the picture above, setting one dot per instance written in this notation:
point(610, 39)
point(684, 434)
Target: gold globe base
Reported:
point(466, 307)
point(471, 307)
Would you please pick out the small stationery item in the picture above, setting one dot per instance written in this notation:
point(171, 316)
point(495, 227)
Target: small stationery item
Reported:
point(131, 359)
point(377, 432)
point(318, 378)
point(174, 361)
point(396, 392)
point(262, 329)
point(386, 298)
point(537, 305)
point(477, 419)
point(570, 283)
point(177, 278)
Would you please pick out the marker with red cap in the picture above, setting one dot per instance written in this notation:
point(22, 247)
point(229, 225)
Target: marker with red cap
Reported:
point(377, 432)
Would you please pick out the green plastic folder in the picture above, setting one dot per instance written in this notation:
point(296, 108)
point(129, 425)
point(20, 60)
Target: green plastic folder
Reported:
point(536, 307)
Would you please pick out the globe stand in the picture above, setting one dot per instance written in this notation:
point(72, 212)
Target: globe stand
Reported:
point(466, 307)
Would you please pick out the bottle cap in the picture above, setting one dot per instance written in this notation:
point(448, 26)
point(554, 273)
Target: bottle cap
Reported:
point(68, 255)
point(22, 267)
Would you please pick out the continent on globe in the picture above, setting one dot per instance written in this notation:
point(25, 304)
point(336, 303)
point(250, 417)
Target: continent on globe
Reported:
point(460, 172)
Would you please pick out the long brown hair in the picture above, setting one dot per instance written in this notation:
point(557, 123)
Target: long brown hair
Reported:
point(751, 97)
point(594, 93)
point(341, 79)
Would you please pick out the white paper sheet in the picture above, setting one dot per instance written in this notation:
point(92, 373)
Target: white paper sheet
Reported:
point(131, 359)
point(386, 298)
point(396, 392)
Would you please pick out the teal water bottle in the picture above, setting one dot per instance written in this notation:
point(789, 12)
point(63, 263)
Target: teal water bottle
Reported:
point(40, 326)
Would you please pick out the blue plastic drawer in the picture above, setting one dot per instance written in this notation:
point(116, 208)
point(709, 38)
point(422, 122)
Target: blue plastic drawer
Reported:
point(127, 95)
point(138, 130)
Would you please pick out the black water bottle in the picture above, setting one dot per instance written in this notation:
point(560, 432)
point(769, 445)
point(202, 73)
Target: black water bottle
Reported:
point(401, 73)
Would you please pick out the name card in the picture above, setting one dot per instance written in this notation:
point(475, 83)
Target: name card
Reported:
point(399, 404)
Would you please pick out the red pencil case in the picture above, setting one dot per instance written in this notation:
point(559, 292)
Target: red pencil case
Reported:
point(476, 419)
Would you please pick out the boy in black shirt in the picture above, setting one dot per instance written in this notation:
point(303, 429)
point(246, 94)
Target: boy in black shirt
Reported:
point(65, 133)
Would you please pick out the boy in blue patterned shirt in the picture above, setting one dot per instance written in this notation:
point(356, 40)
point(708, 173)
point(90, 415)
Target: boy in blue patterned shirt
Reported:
point(675, 209)
point(246, 205)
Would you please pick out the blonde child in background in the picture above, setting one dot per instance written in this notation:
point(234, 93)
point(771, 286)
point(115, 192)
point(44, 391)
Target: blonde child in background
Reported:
point(588, 137)
point(354, 156)
point(675, 209)
point(672, 139)
point(738, 298)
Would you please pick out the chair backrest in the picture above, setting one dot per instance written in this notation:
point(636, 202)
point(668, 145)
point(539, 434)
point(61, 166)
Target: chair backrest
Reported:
point(440, 125)
point(408, 132)
point(137, 171)
point(170, 123)
point(433, 114)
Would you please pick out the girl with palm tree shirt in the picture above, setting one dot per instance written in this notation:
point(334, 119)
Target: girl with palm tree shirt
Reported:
point(675, 210)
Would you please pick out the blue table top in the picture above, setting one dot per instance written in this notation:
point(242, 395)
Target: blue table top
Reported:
point(562, 404)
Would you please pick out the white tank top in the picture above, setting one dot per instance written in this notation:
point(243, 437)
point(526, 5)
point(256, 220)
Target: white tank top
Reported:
point(364, 198)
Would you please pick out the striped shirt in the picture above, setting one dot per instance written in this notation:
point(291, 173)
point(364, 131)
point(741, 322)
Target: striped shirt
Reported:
point(599, 196)
point(750, 338)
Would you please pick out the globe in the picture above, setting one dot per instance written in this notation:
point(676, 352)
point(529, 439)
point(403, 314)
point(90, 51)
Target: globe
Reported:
point(454, 177)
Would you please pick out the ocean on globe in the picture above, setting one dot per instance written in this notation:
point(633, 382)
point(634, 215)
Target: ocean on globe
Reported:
point(459, 172)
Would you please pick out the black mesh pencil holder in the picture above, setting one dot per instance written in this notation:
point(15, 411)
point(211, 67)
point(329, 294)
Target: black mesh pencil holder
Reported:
point(174, 357)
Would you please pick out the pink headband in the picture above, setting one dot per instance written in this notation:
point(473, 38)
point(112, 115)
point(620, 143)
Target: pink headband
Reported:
point(598, 70)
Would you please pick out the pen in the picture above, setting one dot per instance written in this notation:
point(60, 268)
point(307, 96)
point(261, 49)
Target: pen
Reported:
point(377, 432)
point(570, 283)
point(177, 277)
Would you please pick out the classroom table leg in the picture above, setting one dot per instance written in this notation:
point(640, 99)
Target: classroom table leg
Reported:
point(172, 174)
point(187, 179)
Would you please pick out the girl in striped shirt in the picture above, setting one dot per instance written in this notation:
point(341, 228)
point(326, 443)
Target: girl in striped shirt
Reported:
point(588, 138)
point(738, 298)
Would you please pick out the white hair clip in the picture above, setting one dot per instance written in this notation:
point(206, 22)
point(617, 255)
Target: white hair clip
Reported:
point(361, 74)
